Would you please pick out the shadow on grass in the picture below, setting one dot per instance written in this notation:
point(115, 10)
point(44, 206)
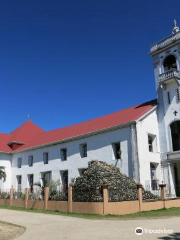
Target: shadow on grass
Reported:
point(171, 236)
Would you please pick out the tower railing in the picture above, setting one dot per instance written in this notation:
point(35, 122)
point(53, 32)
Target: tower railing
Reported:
point(173, 73)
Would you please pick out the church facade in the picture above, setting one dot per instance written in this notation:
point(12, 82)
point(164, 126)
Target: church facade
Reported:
point(143, 141)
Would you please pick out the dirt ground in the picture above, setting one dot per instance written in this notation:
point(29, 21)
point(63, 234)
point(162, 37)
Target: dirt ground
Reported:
point(9, 231)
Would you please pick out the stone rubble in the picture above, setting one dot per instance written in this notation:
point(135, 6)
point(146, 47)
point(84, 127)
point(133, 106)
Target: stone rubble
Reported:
point(88, 187)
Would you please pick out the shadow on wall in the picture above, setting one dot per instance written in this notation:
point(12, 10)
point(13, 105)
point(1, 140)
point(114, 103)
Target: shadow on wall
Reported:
point(171, 236)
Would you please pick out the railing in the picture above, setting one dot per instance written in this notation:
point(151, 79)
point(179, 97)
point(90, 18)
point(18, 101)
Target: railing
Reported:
point(164, 42)
point(174, 73)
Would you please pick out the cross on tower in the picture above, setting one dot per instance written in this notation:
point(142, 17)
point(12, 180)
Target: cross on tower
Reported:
point(175, 113)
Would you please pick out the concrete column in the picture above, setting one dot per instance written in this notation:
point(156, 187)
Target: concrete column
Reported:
point(11, 196)
point(26, 197)
point(163, 191)
point(139, 189)
point(46, 197)
point(70, 189)
point(105, 199)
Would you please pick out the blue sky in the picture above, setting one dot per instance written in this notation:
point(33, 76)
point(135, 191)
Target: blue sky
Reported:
point(65, 62)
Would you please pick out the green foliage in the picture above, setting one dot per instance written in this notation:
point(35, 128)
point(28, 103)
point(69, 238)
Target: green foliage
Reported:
point(4, 195)
point(52, 187)
point(18, 195)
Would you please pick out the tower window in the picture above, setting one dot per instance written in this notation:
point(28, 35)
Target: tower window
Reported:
point(170, 63)
point(169, 97)
point(177, 95)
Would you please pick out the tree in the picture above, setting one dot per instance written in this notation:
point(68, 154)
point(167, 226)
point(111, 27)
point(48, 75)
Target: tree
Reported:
point(2, 173)
point(51, 184)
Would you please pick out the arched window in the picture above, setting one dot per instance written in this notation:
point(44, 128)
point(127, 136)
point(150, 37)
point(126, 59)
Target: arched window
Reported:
point(175, 135)
point(170, 63)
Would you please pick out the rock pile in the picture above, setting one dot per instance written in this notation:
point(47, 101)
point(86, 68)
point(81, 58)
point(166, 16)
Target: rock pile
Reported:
point(88, 187)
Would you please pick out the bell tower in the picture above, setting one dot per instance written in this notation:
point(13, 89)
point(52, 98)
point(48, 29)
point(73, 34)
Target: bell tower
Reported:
point(166, 61)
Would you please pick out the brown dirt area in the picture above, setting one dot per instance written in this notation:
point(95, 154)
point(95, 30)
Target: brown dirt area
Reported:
point(9, 231)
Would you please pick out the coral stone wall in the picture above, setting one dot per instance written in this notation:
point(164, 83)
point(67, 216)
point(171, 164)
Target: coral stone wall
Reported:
point(88, 187)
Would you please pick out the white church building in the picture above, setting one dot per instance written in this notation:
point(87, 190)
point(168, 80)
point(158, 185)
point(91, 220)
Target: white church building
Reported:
point(143, 140)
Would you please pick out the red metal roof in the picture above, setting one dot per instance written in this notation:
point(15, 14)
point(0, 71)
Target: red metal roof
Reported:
point(32, 135)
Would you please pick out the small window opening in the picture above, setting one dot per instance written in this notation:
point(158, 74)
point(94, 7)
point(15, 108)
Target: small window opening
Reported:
point(64, 154)
point(117, 150)
point(152, 143)
point(83, 150)
point(169, 97)
point(177, 95)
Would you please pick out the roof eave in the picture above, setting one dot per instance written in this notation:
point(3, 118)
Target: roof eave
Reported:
point(77, 137)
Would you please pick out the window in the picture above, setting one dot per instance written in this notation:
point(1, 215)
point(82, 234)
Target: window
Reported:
point(170, 63)
point(45, 157)
point(64, 180)
point(152, 143)
point(19, 180)
point(81, 171)
point(30, 161)
point(177, 95)
point(169, 97)
point(154, 181)
point(83, 150)
point(46, 176)
point(64, 154)
point(31, 182)
point(19, 162)
point(117, 150)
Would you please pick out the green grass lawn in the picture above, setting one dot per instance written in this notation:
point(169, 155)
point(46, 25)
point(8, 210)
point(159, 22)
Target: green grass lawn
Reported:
point(162, 213)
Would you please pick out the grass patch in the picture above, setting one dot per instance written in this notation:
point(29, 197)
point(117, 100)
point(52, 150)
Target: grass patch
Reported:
point(162, 213)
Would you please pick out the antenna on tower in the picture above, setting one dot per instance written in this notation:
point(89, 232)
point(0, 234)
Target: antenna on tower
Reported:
point(176, 28)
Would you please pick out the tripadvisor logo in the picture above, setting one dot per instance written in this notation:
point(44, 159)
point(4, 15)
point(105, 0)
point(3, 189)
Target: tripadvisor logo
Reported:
point(139, 231)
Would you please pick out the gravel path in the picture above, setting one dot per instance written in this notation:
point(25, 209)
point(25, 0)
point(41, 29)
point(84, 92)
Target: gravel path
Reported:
point(52, 227)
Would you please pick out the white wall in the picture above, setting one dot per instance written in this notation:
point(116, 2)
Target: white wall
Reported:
point(148, 125)
point(99, 147)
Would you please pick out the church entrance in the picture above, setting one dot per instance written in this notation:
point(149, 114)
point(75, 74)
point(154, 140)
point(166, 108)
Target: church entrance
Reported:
point(177, 179)
point(175, 135)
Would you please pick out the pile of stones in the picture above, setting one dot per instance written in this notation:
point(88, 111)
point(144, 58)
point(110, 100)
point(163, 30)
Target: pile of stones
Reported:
point(88, 187)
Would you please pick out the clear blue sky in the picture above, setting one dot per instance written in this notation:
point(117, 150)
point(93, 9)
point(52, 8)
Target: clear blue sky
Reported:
point(65, 62)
